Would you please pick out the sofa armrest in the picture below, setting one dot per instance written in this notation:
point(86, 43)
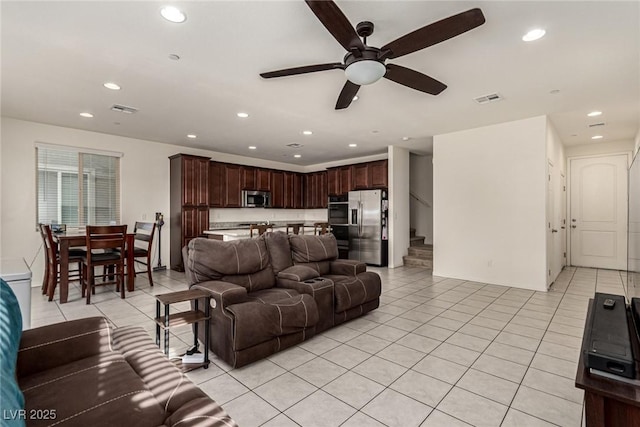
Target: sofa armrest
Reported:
point(200, 412)
point(347, 267)
point(223, 293)
point(62, 343)
point(321, 289)
point(298, 273)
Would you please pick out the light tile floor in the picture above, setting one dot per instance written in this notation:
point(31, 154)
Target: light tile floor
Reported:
point(438, 352)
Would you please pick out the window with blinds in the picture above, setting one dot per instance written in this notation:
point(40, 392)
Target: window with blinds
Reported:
point(76, 188)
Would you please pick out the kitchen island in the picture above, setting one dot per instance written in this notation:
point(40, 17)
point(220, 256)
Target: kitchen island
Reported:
point(230, 231)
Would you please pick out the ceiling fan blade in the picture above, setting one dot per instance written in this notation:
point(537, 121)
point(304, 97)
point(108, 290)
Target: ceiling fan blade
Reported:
point(349, 90)
point(338, 25)
point(434, 33)
point(302, 70)
point(414, 79)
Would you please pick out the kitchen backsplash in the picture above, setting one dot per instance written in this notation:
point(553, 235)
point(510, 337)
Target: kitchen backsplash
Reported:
point(261, 215)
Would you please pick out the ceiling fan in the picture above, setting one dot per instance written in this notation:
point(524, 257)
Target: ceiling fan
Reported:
point(364, 64)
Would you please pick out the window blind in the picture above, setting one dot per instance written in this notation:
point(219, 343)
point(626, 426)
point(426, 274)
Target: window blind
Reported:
point(76, 188)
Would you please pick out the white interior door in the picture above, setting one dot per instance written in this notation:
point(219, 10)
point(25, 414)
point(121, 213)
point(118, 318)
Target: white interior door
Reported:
point(598, 212)
point(552, 231)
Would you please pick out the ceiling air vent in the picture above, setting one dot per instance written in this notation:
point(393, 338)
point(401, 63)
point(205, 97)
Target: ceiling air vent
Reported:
point(123, 109)
point(295, 145)
point(485, 99)
point(595, 125)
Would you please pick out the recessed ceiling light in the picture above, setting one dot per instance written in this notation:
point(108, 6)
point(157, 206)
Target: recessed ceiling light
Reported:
point(307, 132)
point(405, 138)
point(594, 113)
point(243, 115)
point(355, 98)
point(597, 137)
point(297, 156)
point(252, 147)
point(173, 14)
point(111, 85)
point(192, 136)
point(353, 145)
point(87, 115)
point(534, 34)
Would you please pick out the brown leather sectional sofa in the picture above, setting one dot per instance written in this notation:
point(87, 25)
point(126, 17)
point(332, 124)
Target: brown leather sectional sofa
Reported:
point(275, 291)
point(84, 373)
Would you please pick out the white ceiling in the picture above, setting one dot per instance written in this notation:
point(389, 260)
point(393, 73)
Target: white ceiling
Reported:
point(57, 55)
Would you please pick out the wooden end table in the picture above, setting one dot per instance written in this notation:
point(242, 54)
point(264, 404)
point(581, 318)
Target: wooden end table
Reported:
point(194, 316)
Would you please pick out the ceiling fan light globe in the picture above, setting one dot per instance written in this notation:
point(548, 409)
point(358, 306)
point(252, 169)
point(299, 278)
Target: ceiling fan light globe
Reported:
point(365, 72)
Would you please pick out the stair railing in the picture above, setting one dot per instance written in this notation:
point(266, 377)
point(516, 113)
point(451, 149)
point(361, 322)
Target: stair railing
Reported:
point(419, 199)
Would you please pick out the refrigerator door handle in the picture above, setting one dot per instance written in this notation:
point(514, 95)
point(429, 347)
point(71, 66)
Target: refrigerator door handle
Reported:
point(354, 216)
point(360, 225)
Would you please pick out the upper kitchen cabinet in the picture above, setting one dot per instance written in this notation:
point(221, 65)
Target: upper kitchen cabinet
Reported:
point(360, 176)
point(315, 190)
point(217, 184)
point(339, 181)
point(368, 176)
point(378, 173)
point(233, 195)
point(248, 178)
point(277, 189)
point(293, 190)
point(263, 178)
point(195, 181)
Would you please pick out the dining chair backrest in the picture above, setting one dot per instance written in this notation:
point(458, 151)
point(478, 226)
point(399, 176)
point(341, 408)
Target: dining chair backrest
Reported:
point(144, 232)
point(50, 245)
point(105, 237)
point(260, 227)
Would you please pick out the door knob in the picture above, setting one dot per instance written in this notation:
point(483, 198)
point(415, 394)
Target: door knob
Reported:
point(573, 226)
point(554, 231)
point(563, 227)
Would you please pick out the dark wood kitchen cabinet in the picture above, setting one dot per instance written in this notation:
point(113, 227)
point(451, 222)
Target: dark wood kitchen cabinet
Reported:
point(339, 181)
point(378, 174)
point(360, 176)
point(217, 184)
point(248, 178)
point(233, 194)
point(369, 176)
point(188, 203)
point(263, 179)
point(315, 190)
point(277, 189)
point(293, 190)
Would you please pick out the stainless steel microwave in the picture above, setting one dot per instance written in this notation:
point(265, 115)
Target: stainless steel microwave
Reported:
point(256, 199)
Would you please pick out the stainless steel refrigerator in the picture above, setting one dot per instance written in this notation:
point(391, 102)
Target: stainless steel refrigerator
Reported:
point(368, 226)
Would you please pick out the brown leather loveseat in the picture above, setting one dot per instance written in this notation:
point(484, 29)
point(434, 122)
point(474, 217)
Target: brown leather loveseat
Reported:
point(275, 291)
point(85, 373)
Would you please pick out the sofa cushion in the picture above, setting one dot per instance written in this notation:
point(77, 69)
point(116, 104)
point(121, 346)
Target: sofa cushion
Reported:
point(353, 291)
point(244, 262)
point(257, 321)
point(99, 390)
point(279, 250)
point(310, 249)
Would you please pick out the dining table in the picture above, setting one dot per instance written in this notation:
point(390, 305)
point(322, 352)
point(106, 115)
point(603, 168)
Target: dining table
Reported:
point(78, 238)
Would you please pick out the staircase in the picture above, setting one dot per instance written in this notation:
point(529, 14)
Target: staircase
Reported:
point(420, 254)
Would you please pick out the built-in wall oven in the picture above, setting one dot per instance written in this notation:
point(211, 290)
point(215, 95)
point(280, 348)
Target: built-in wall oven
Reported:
point(339, 221)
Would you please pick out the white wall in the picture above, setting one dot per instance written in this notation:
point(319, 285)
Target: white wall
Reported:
point(398, 205)
point(623, 146)
point(489, 205)
point(421, 184)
